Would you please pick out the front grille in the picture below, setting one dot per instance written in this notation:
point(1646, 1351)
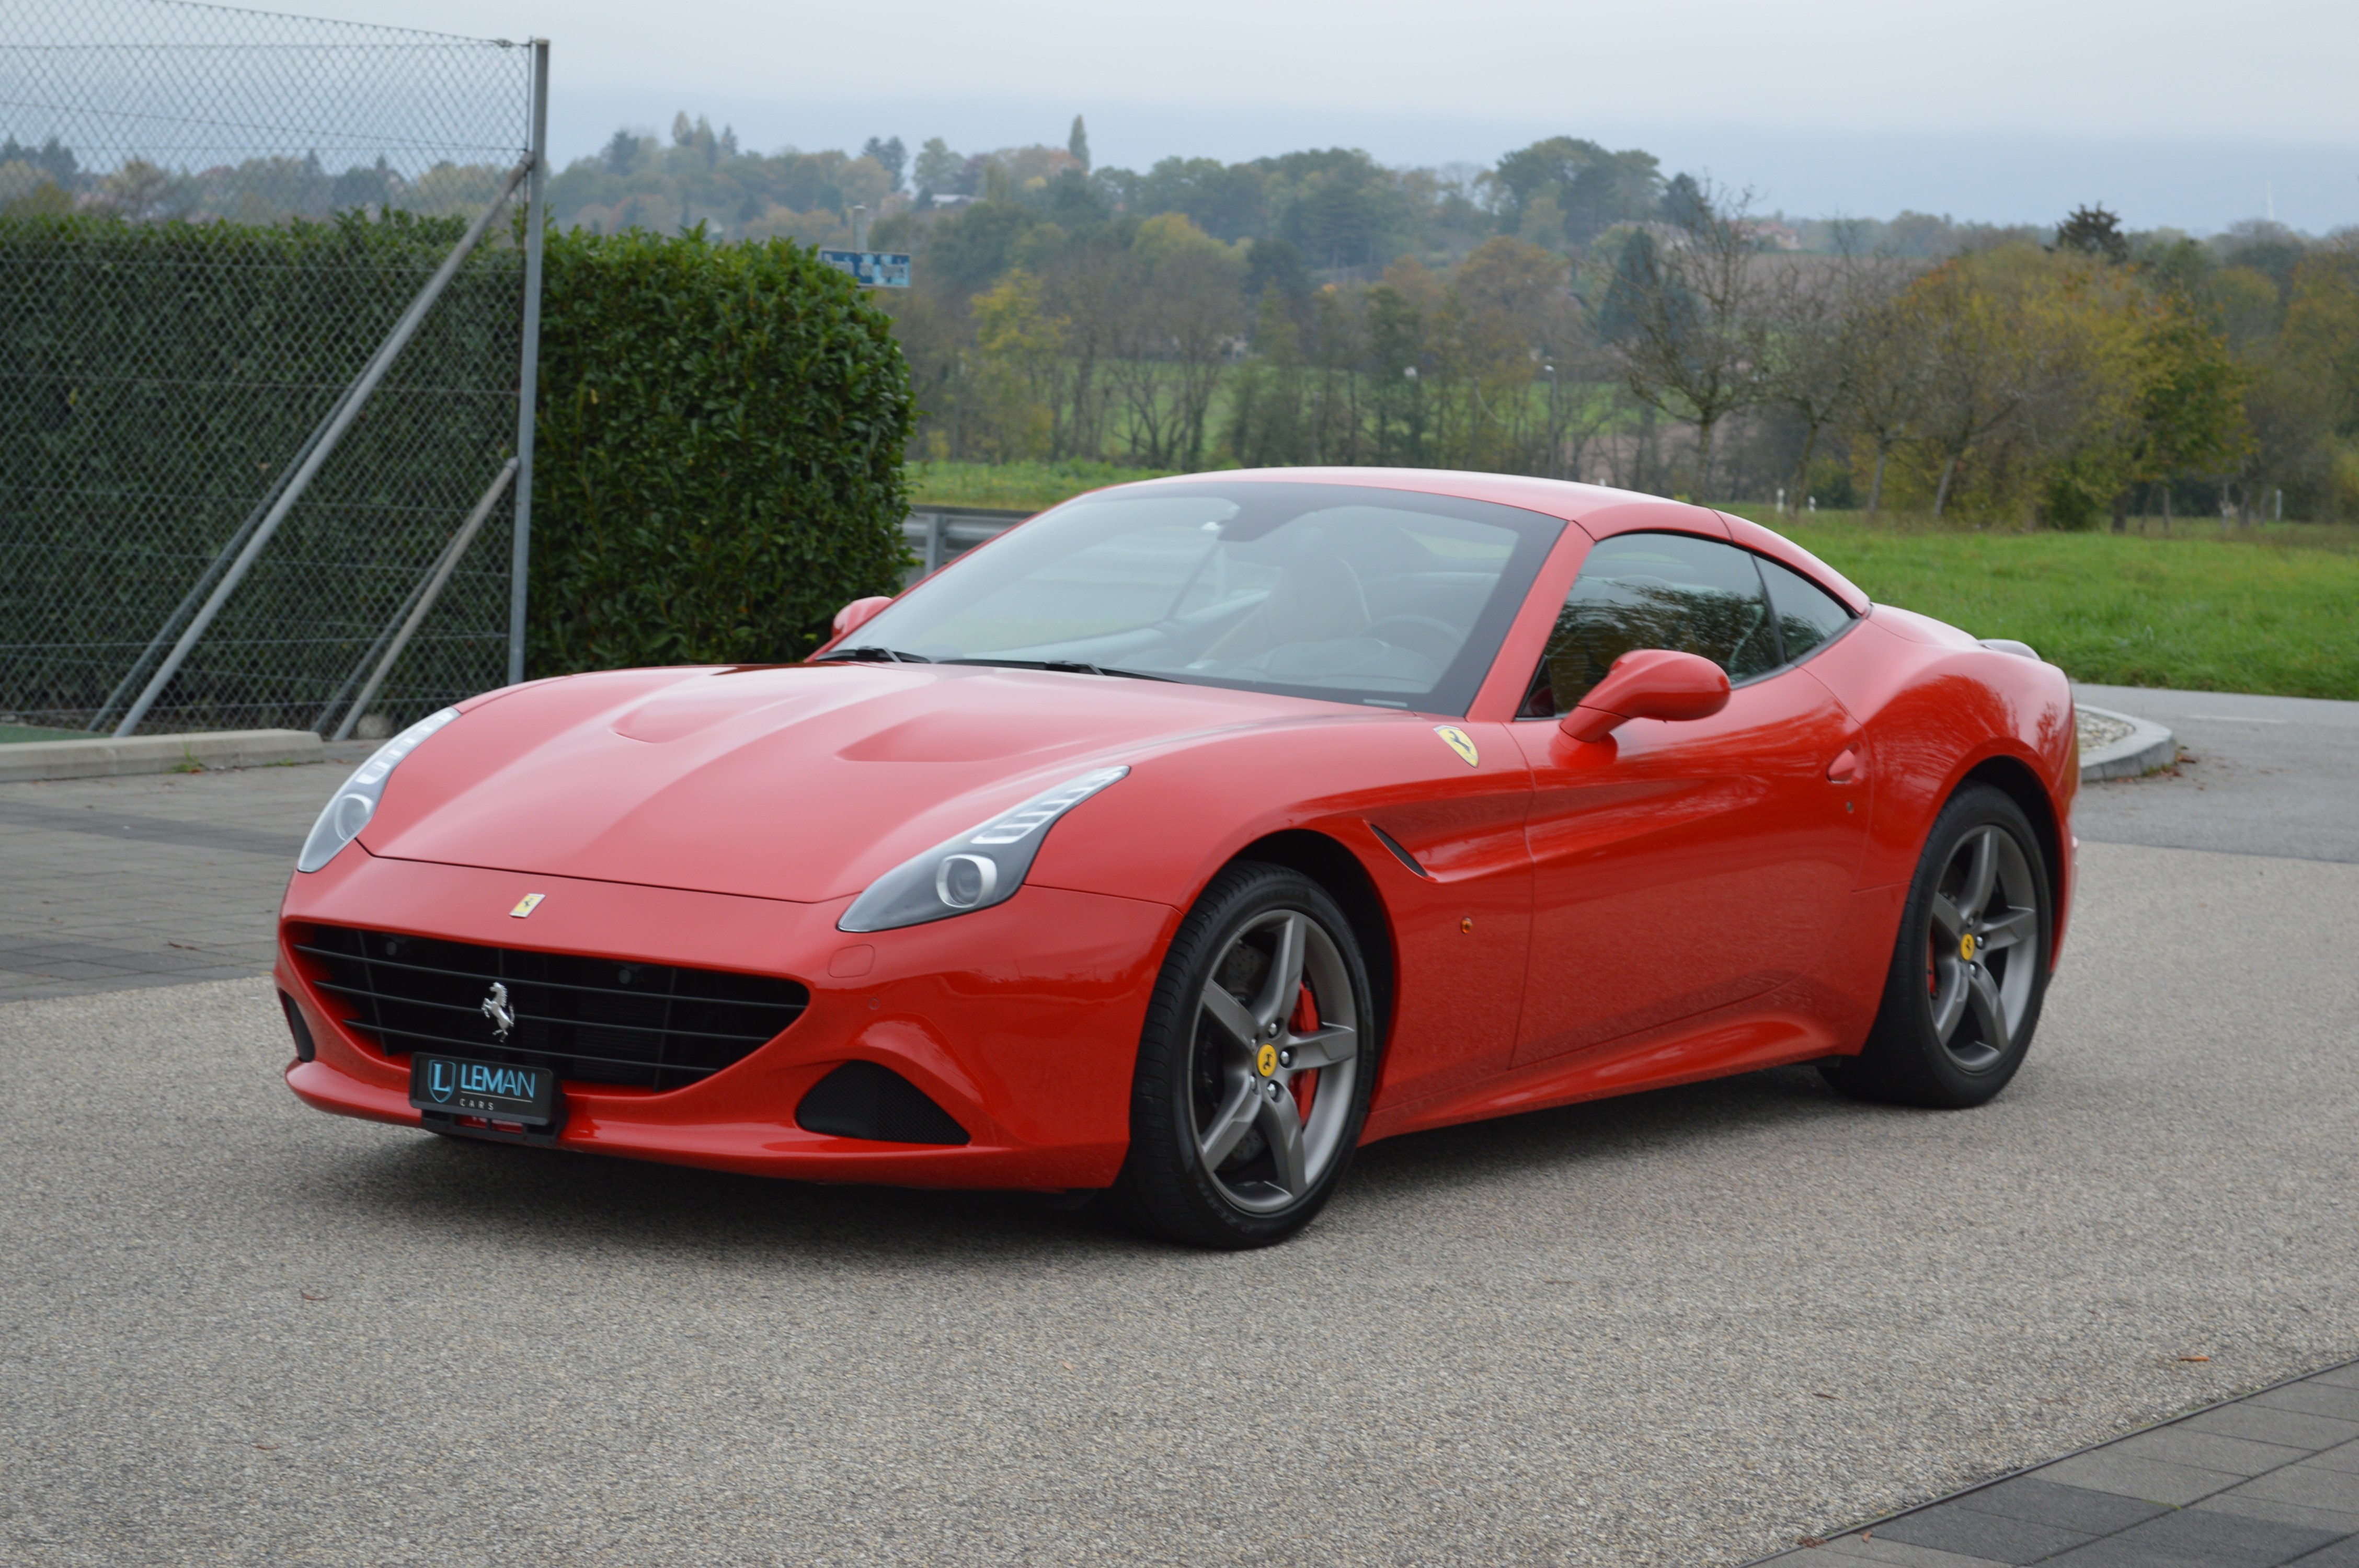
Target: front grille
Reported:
point(597, 1021)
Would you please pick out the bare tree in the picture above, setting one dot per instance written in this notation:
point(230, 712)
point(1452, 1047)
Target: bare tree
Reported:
point(1973, 381)
point(1089, 289)
point(1887, 385)
point(1200, 308)
point(1171, 345)
point(1823, 314)
point(1694, 337)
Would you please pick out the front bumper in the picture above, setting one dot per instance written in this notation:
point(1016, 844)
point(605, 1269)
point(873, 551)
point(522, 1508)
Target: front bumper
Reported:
point(1021, 1020)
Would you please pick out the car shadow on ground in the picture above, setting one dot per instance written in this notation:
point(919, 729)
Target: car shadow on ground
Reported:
point(509, 1196)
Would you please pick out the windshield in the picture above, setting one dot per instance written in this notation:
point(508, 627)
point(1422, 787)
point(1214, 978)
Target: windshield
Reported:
point(1346, 592)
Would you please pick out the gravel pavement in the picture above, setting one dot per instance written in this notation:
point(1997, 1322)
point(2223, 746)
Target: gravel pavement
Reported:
point(1679, 1329)
point(1683, 1327)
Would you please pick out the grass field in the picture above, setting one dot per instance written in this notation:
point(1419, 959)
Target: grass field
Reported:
point(998, 486)
point(2272, 608)
point(2271, 611)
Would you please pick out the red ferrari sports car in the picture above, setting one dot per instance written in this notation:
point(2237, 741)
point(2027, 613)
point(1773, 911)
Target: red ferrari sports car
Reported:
point(1193, 834)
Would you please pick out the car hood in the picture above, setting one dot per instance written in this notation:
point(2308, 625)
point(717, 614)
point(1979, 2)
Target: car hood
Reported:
point(801, 782)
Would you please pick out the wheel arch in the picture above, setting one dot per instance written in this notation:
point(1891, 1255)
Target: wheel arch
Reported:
point(2015, 779)
point(1326, 862)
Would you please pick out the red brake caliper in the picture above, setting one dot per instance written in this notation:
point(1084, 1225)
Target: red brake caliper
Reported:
point(1304, 1021)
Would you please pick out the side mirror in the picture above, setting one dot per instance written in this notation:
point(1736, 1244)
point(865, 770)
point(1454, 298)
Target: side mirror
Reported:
point(849, 619)
point(1649, 683)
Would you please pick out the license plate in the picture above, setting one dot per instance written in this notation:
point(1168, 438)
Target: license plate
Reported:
point(493, 1091)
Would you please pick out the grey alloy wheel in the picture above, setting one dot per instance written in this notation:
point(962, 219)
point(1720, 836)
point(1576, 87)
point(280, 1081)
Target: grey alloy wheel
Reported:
point(1276, 1061)
point(1982, 958)
point(1968, 968)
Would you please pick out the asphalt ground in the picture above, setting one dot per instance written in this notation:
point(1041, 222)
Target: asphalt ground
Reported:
point(155, 879)
point(1686, 1326)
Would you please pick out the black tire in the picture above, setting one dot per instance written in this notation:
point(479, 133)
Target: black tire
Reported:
point(1207, 1084)
point(1958, 1015)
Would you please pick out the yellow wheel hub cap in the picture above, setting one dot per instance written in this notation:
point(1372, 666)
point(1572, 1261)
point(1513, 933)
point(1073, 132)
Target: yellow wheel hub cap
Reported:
point(1267, 1062)
point(1966, 947)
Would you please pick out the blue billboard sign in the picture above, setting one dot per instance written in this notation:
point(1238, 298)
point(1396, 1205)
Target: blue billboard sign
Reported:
point(880, 269)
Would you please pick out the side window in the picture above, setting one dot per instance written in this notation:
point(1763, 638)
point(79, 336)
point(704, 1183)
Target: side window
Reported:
point(1807, 614)
point(1655, 591)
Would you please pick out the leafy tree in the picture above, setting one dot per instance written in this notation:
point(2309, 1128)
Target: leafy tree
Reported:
point(2093, 232)
point(887, 154)
point(1275, 268)
point(1018, 341)
point(2191, 402)
point(938, 168)
point(1226, 200)
point(1592, 188)
point(1684, 204)
point(52, 157)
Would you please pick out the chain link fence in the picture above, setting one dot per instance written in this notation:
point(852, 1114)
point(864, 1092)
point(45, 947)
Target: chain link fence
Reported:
point(215, 225)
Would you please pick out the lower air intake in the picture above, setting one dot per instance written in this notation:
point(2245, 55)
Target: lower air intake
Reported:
point(861, 1099)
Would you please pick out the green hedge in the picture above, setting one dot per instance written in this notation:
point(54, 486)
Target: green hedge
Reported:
point(718, 458)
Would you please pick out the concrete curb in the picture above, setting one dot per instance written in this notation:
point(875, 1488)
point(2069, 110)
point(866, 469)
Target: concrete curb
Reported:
point(2147, 747)
point(102, 756)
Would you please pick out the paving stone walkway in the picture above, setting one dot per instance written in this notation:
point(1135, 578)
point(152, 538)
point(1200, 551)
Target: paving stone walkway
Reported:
point(2267, 1480)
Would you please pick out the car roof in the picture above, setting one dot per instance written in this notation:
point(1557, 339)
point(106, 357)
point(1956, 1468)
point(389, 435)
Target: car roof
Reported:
point(1601, 510)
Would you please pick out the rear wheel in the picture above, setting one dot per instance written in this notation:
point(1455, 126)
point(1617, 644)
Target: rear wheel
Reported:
point(1255, 1067)
point(1970, 969)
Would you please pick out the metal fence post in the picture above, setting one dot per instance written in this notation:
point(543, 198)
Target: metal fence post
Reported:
point(354, 401)
point(528, 391)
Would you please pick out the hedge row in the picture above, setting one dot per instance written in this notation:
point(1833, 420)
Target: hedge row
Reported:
point(718, 458)
point(154, 378)
point(718, 463)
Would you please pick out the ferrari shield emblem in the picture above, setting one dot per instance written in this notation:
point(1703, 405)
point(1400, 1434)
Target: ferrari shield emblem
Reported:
point(1265, 1062)
point(526, 904)
point(1460, 741)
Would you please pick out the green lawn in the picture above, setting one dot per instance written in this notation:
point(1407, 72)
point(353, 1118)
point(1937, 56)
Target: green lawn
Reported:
point(1031, 486)
point(2275, 611)
point(2268, 609)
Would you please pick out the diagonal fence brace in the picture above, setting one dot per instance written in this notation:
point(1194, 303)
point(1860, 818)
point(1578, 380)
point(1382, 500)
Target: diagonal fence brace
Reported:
point(354, 401)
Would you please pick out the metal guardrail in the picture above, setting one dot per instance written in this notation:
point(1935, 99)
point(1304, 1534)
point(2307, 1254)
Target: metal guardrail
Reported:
point(940, 535)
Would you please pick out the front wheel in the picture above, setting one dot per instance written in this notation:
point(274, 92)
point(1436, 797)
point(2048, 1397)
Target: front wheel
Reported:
point(1253, 1068)
point(1970, 969)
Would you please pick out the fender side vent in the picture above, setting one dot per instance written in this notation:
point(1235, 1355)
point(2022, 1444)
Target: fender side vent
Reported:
point(1403, 856)
point(861, 1099)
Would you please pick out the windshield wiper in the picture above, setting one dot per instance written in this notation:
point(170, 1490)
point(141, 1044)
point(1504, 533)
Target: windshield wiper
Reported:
point(1065, 666)
point(870, 654)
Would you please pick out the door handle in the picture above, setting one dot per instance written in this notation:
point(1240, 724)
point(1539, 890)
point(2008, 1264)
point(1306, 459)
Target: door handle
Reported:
point(1846, 768)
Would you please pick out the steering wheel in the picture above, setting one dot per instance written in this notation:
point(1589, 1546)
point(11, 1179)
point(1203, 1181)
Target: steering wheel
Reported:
point(1421, 634)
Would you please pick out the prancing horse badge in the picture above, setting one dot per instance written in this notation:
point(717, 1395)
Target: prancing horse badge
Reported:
point(1460, 741)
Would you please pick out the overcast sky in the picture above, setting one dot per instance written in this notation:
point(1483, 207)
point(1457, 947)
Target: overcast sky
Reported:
point(2172, 112)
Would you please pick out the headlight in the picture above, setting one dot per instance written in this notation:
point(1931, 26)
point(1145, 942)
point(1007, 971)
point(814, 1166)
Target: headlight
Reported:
point(973, 870)
point(353, 804)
